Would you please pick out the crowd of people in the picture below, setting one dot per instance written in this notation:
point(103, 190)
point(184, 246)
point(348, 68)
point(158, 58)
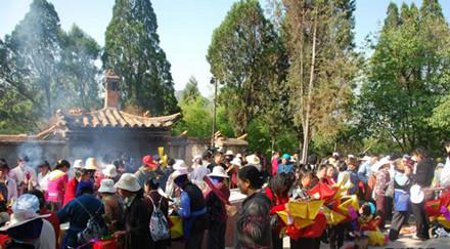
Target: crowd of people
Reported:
point(111, 206)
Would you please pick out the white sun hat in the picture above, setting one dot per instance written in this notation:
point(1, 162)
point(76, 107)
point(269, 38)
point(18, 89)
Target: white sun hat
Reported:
point(179, 164)
point(236, 161)
point(179, 172)
point(107, 186)
point(78, 164)
point(219, 171)
point(128, 182)
point(24, 210)
point(110, 170)
point(91, 164)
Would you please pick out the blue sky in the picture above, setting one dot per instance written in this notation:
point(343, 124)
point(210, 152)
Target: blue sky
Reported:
point(185, 26)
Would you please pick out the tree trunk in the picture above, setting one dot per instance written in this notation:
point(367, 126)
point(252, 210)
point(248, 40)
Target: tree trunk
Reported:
point(306, 127)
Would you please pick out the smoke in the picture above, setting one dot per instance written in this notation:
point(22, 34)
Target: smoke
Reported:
point(33, 151)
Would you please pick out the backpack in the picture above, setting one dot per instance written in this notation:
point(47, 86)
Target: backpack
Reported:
point(94, 229)
point(158, 225)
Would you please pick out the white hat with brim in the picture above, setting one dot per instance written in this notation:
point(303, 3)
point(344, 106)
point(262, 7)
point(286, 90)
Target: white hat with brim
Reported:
point(381, 163)
point(107, 186)
point(236, 161)
point(128, 182)
point(20, 218)
point(366, 158)
point(179, 172)
point(91, 164)
point(179, 164)
point(110, 171)
point(229, 153)
point(78, 164)
point(219, 171)
point(417, 195)
point(253, 160)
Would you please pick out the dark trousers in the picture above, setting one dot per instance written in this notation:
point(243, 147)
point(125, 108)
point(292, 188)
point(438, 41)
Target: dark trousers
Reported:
point(195, 241)
point(305, 243)
point(398, 220)
point(421, 220)
point(336, 236)
point(380, 202)
point(216, 235)
point(277, 242)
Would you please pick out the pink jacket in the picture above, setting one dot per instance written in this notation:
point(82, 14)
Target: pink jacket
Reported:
point(57, 181)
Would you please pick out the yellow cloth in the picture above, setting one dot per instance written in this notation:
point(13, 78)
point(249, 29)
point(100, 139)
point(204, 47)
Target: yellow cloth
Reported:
point(376, 238)
point(349, 201)
point(305, 209)
point(332, 217)
point(299, 223)
point(176, 230)
point(444, 222)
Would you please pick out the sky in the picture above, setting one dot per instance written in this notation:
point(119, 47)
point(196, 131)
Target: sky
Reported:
point(185, 27)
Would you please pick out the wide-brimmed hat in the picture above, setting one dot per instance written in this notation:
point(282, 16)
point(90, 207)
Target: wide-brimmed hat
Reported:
point(78, 164)
point(179, 172)
point(25, 209)
point(128, 182)
point(110, 170)
point(219, 171)
point(382, 162)
point(149, 162)
point(236, 161)
point(179, 164)
point(91, 164)
point(229, 153)
point(26, 202)
point(20, 218)
point(107, 186)
point(253, 160)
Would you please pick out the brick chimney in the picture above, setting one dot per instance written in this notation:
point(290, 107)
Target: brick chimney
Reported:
point(112, 95)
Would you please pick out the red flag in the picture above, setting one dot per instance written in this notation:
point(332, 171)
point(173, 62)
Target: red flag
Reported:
point(322, 192)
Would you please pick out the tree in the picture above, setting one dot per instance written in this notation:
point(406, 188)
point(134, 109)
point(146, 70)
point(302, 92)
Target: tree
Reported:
point(80, 54)
point(132, 50)
point(197, 112)
point(190, 93)
point(319, 37)
point(245, 55)
point(407, 75)
point(36, 42)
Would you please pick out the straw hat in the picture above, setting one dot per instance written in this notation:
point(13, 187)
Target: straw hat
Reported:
point(253, 160)
point(78, 164)
point(110, 171)
point(107, 186)
point(219, 171)
point(128, 182)
point(236, 161)
point(91, 164)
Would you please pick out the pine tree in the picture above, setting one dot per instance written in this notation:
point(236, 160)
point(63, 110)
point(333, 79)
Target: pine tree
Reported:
point(36, 42)
point(132, 50)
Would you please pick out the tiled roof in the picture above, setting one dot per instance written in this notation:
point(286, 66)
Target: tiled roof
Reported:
point(112, 117)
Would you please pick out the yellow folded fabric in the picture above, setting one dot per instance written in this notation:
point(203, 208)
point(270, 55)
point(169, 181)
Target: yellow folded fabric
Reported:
point(332, 217)
point(349, 201)
point(299, 223)
point(305, 209)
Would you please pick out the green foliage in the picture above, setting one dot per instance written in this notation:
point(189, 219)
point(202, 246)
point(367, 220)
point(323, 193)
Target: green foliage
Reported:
point(319, 37)
point(441, 115)
point(406, 76)
point(43, 69)
point(79, 57)
point(246, 56)
point(132, 51)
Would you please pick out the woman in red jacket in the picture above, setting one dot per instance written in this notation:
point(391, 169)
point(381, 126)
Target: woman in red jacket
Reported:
point(278, 193)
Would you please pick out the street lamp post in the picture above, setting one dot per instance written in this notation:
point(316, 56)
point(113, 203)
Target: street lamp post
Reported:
point(214, 81)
